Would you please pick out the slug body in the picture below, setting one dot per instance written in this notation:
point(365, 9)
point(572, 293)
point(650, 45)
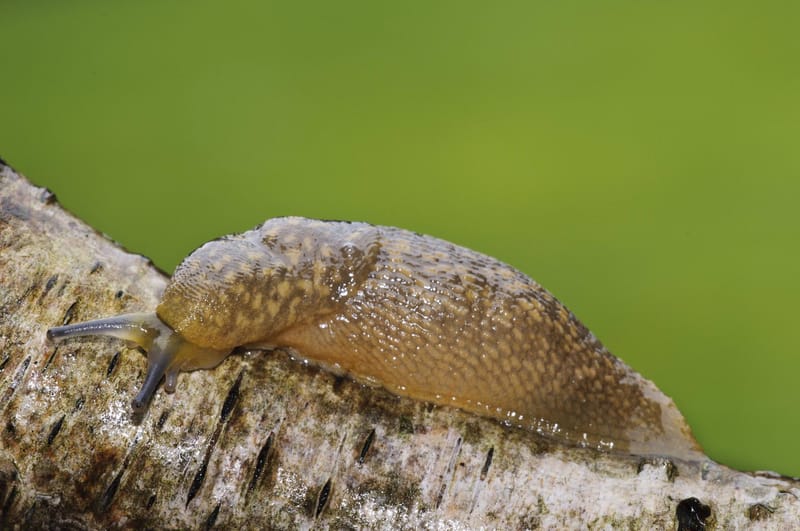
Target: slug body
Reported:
point(419, 316)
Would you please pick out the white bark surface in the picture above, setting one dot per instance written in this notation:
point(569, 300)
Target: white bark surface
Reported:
point(265, 442)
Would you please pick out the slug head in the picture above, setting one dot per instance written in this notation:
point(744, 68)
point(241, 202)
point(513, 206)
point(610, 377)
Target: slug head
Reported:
point(247, 288)
point(168, 353)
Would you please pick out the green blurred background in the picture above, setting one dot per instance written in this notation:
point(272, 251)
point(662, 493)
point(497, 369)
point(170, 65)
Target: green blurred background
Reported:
point(639, 159)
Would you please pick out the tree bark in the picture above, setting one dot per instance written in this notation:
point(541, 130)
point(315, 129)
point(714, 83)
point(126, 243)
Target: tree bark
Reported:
point(263, 441)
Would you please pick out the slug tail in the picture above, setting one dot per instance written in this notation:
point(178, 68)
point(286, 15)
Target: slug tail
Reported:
point(669, 437)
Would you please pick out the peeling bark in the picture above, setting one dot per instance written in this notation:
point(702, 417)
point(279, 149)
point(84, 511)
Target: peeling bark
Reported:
point(266, 442)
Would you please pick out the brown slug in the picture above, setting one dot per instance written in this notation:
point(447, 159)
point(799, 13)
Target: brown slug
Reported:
point(422, 317)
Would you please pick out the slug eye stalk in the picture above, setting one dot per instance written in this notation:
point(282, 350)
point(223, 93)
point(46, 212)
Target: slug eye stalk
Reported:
point(139, 328)
point(167, 352)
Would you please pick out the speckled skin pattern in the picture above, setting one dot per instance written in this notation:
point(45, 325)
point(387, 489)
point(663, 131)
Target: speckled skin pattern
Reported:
point(423, 318)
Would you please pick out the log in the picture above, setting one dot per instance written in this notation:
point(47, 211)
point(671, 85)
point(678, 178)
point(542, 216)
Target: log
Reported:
point(264, 441)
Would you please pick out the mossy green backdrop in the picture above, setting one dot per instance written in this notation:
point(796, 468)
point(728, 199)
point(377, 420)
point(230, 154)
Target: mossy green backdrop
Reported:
point(639, 159)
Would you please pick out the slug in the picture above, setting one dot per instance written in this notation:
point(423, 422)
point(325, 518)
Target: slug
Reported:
point(420, 316)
